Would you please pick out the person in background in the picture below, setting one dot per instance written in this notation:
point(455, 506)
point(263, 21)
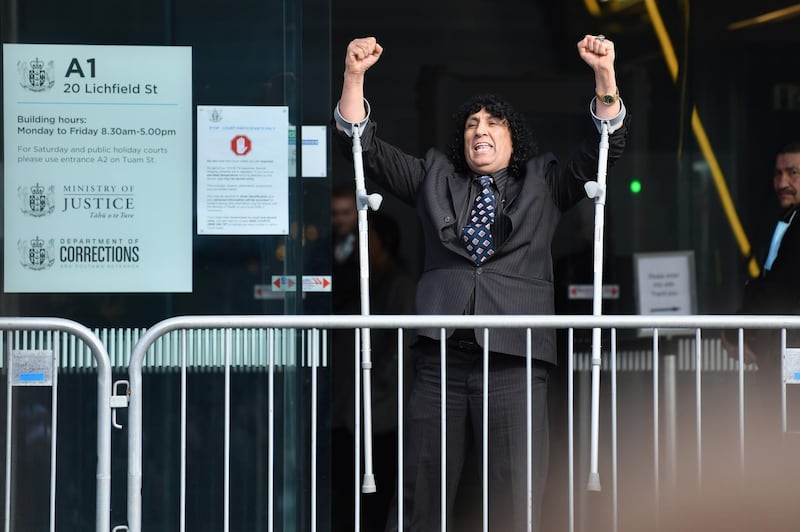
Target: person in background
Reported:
point(488, 210)
point(776, 292)
point(391, 292)
point(344, 233)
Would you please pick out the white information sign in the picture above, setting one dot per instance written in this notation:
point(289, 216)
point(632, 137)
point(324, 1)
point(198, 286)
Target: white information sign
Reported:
point(586, 291)
point(791, 366)
point(242, 170)
point(665, 283)
point(98, 168)
point(317, 283)
point(315, 151)
point(284, 283)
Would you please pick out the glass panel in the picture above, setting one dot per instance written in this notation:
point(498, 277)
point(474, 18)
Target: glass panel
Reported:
point(244, 53)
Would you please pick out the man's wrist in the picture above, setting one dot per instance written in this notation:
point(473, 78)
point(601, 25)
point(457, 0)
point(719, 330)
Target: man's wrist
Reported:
point(614, 122)
point(347, 126)
point(354, 77)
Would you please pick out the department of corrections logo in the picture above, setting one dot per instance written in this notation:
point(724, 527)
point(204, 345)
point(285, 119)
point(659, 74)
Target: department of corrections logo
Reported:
point(36, 200)
point(36, 254)
point(35, 75)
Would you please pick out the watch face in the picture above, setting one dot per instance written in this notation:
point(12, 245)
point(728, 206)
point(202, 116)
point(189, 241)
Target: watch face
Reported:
point(608, 99)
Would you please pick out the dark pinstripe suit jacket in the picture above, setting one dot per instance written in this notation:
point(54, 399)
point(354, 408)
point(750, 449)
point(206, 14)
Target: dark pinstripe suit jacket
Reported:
point(518, 279)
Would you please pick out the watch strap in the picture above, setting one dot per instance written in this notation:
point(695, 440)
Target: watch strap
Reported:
point(608, 99)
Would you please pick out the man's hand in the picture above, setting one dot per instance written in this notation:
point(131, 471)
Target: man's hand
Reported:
point(361, 55)
point(732, 349)
point(597, 52)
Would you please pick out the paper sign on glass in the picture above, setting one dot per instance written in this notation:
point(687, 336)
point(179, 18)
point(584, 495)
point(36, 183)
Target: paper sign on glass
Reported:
point(242, 170)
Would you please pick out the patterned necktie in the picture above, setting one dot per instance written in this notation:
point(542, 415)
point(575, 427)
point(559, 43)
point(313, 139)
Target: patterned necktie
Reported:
point(477, 234)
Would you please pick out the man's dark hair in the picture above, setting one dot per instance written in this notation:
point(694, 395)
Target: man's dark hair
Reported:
point(790, 147)
point(343, 191)
point(521, 136)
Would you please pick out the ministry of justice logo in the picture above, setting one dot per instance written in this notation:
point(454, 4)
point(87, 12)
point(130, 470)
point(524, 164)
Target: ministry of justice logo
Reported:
point(36, 254)
point(36, 200)
point(215, 116)
point(36, 75)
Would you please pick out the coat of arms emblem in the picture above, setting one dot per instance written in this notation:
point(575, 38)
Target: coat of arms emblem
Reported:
point(36, 254)
point(36, 200)
point(36, 75)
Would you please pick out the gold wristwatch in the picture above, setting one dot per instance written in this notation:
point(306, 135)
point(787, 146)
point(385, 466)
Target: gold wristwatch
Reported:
point(608, 99)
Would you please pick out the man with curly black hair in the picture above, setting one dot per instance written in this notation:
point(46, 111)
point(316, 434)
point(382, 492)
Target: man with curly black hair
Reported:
point(488, 212)
point(524, 146)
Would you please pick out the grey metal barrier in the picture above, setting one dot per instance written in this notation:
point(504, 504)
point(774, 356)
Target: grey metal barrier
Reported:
point(655, 328)
point(32, 348)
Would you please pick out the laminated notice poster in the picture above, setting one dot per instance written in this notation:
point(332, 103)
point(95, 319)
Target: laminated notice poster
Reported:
point(98, 168)
point(242, 170)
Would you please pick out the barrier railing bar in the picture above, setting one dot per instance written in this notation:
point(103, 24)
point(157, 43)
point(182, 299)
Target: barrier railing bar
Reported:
point(443, 407)
point(75, 355)
point(9, 404)
point(614, 464)
point(314, 427)
point(571, 429)
point(400, 425)
point(529, 428)
point(271, 430)
point(741, 399)
point(357, 428)
point(227, 462)
point(388, 321)
point(485, 433)
point(184, 424)
point(784, 421)
point(656, 450)
point(53, 430)
point(698, 392)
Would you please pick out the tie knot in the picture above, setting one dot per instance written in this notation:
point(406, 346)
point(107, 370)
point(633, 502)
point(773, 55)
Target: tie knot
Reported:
point(485, 180)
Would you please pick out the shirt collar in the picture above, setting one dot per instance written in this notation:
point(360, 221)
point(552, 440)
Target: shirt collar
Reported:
point(788, 214)
point(500, 178)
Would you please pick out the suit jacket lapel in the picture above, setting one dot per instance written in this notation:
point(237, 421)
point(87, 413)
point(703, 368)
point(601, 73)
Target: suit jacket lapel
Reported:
point(513, 188)
point(459, 190)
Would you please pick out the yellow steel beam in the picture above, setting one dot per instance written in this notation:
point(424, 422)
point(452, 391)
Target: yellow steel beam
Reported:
point(592, 7)
point(702, 140)
point(772, 16)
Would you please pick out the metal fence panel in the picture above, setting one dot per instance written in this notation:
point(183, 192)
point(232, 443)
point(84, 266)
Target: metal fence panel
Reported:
point(32, 350)
point(698, 356)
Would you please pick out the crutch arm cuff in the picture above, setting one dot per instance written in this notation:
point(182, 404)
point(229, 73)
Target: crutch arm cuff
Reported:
point(347, 127)
point(613, 123)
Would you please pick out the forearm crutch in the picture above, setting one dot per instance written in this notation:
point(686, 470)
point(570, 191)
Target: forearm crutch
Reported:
point(597, 191)
point(364, 201)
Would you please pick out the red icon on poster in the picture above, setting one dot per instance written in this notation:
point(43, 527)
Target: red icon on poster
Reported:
point(241, 145)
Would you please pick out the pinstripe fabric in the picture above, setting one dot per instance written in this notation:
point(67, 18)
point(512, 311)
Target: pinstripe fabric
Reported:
point(519, 278)
point(507, 436)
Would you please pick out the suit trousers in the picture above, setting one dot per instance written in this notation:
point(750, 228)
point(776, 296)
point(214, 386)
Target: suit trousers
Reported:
point(507, 440)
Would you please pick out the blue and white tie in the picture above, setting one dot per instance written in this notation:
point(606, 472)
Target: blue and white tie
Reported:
point(477, 234)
